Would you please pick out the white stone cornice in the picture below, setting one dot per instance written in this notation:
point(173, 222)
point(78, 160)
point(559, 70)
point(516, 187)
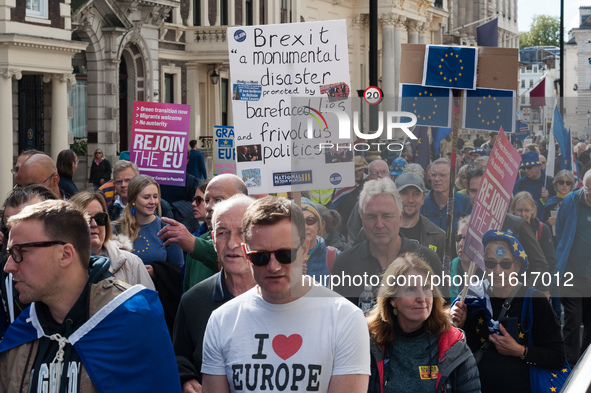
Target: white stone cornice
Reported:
point(8, 73)
point(64, 78)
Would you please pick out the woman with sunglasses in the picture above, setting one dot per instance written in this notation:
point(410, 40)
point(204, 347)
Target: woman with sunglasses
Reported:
point(124, 265)
point(100, 170)
point(199, 208)
point(564, 183)
point(321, 257)
point(497, 331)
point(414, 348)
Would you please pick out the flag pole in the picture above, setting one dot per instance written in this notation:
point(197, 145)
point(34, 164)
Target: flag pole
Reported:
point(456, 112)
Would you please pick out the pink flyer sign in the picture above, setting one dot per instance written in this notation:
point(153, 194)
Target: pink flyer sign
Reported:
point(159, 140)
point(493, 197)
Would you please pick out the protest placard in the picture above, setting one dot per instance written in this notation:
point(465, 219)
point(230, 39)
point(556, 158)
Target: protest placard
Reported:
point(285, 80)
point(159, 140)
point(224, 153)
point(493, 197)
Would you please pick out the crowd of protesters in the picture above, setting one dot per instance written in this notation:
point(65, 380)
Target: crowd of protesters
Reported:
point(233, 310)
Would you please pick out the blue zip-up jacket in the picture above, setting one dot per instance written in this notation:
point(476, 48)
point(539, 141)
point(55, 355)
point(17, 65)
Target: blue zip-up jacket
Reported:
point(566, 226)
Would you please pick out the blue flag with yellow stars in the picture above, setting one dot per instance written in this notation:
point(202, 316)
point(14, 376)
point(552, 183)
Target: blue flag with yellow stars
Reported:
point(489, 110)
point(431, 105)
point(451, 67)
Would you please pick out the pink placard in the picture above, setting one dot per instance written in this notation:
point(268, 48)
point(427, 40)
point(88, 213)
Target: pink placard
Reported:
point(159, 140)
point(493, 197)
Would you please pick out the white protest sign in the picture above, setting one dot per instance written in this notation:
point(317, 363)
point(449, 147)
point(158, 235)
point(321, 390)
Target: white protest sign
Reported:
point(285, 79)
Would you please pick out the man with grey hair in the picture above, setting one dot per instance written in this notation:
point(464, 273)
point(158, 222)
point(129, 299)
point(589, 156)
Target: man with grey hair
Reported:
point(380, 208)
point(435, 206)
point(378, 169)
point(200, 301)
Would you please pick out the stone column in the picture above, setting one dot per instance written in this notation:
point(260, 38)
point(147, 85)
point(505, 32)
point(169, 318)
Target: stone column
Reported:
point(7, 145)
point(59, 112)
point(193, 99)
point(358, 22)
point(399, 33)
point(389, 59)
point(424, 32)
point(413, 31)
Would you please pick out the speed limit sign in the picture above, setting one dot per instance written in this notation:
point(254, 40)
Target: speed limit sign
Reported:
point(372, 95)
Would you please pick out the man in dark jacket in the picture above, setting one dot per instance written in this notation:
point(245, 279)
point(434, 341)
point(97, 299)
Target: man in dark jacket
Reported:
point(412, 224)
point(380, 206)
point(198, 303)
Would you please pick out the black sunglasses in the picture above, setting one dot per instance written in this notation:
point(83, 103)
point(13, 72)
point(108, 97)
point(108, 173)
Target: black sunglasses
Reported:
point(493, 264)
point(563, 182)
point(262, 258)
point(311, 220)
point(101, 219)
point(198, 200)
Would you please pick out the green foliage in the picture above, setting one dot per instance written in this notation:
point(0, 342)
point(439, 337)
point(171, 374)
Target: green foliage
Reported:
point(545, 31)
point(80, 146)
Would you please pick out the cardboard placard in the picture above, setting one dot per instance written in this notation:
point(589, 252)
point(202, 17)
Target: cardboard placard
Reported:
point(497, 67)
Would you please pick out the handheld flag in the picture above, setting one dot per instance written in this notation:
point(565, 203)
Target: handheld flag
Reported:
point(537, 97)
point(489, 110)
point(521, 131)
point(450, 67)
point(438, 134)
point(560, 135)
point(488, 33)
point(431, 105)
point(420, 147)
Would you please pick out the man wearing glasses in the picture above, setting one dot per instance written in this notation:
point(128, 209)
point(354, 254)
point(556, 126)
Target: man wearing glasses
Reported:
point(292, 335)
point(435, 206)
point(40, 169)
point(73, 327)
point(573, 231)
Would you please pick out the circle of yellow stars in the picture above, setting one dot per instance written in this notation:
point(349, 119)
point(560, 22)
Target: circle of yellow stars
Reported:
point(450, 55)
point(147, 244)
point(480, 102)
point(424, 95)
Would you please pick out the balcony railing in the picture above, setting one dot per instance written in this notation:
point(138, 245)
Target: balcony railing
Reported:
point(176, 34)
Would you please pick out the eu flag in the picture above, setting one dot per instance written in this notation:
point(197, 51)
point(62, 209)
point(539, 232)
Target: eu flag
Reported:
point(489, 110)
point(437, 135)
point(521, 131)
point(452, 67)
point(431, 105)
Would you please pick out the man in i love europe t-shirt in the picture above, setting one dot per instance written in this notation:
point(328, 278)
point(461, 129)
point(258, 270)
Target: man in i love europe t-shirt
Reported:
point(286, 334)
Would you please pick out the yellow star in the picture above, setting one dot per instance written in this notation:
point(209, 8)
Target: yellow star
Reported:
point(460, 74)
point(420, 94)
point(419, 141)
point(430, 94)
point(477, 330)
point(435, 106)
point(478, 108)
point(522, 254)
point(482, 119)
point(456, 78)
point(462, 67)
point(521, 335)
point(493, 122)
point(498, 103)
point(444, 78)
point(416, 98)
point(433, 112)
point(439, 65)
point(498, 233)
point(415, 111)
point(482, 340)
point(430, 115)
point(480, 321)
point(488, 122)
point(425, 91)
point(564, 370)
point(497, 117)
point(553, 389)
point(494, 98)
point(479, 115)
point(435, 99)
point(515, 246)
point(446, 55)
point(499, 110)
point(441, 73)
point(460, 60)
point(413, 104)
point(441, 59)
point(489, 96)
point(480, 101)
point(457, 55)
point(554, 375)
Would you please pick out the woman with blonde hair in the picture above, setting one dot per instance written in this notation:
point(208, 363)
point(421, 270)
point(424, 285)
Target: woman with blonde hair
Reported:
point(140, 223)
point(413, 345)
point(124, 265)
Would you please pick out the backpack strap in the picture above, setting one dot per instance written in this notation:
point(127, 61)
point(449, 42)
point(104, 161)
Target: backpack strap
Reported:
point(331, 254)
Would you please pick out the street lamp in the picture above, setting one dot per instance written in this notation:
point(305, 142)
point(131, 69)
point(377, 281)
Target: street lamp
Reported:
point(214, 77)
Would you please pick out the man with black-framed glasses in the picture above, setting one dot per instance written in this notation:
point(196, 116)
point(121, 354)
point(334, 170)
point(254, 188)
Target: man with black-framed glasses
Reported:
point(40, 169)
point(287, 331)
point(67, 336)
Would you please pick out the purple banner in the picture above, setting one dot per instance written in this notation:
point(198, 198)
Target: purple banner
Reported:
point(493, 197)
point(159, 140)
